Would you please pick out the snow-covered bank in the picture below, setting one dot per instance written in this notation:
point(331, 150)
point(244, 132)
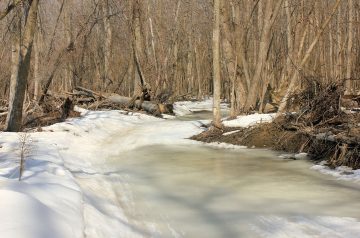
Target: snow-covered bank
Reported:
point(249, 120)
point(63, 192)
point(47, 202)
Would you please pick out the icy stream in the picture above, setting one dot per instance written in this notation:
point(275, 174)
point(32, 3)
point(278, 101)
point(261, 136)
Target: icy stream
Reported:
point(194, 190)
point(114, 174)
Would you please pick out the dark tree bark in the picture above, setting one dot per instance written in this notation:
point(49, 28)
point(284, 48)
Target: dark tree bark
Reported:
point(20, 69)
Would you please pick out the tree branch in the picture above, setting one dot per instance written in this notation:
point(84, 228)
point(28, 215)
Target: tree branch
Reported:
point(9, 8)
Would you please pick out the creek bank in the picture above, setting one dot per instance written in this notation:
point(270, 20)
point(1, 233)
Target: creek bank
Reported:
point(326, 125)
point(279, 135)
point(266, 135)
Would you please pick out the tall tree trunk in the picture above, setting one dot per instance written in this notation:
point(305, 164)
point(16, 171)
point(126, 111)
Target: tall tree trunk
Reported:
point(340, 46)
point(350, 46)
point(290, 46)
point(198, 72)
point(20, 70)
point(229, 49)
point(108, 39)
point(189, 67)
point(216, 65)
point(70, 83)
point(139, 81)
point(37, 79)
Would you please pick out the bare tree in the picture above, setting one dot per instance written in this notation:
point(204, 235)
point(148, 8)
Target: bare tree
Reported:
point(20, 68)
point(350, 46)
point(216, 65)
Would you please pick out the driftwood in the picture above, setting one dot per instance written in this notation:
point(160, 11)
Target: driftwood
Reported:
point(150, 107)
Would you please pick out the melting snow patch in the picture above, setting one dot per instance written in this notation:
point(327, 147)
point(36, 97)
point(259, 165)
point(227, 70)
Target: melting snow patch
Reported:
point(167, 116)
point(302, 156)
point(249, 120)
point(342, 172)
point(230, 133)
point(224, 146)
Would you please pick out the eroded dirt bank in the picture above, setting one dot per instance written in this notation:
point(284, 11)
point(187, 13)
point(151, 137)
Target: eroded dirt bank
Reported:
point(278, 135)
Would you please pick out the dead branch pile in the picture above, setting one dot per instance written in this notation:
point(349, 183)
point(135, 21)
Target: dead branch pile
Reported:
point(329, 119)
point(52, 110)
point(55, 108)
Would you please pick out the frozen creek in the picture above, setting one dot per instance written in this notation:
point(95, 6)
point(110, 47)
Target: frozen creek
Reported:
point(185, 189)
point(113, 174)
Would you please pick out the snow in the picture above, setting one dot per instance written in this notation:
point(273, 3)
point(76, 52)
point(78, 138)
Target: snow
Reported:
point(342, 172)
point(231, 132)
point(187, 107)
point(299, 156)
point(221, 145)
point(249, 120)
point(65, 192)
point(299, 227)
point(47, 202)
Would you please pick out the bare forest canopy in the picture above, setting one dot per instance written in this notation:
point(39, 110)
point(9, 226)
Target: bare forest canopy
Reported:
point(166, 47)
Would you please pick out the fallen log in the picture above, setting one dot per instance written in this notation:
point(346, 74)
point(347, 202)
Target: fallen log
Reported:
point(116, 101)
point(85, 100)
point(89, 92)
point(77, 93)
point(148, 106)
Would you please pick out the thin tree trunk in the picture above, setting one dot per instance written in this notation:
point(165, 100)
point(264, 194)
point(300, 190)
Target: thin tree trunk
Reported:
point(350, 46)
point(189, 66)
point(198, 73)
point(216, 65)
point(233, 106)
point(37, 78)
point(69, 77)
point(108, 39)
point(139, 80)
point(290, 45)
point(340, 46)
